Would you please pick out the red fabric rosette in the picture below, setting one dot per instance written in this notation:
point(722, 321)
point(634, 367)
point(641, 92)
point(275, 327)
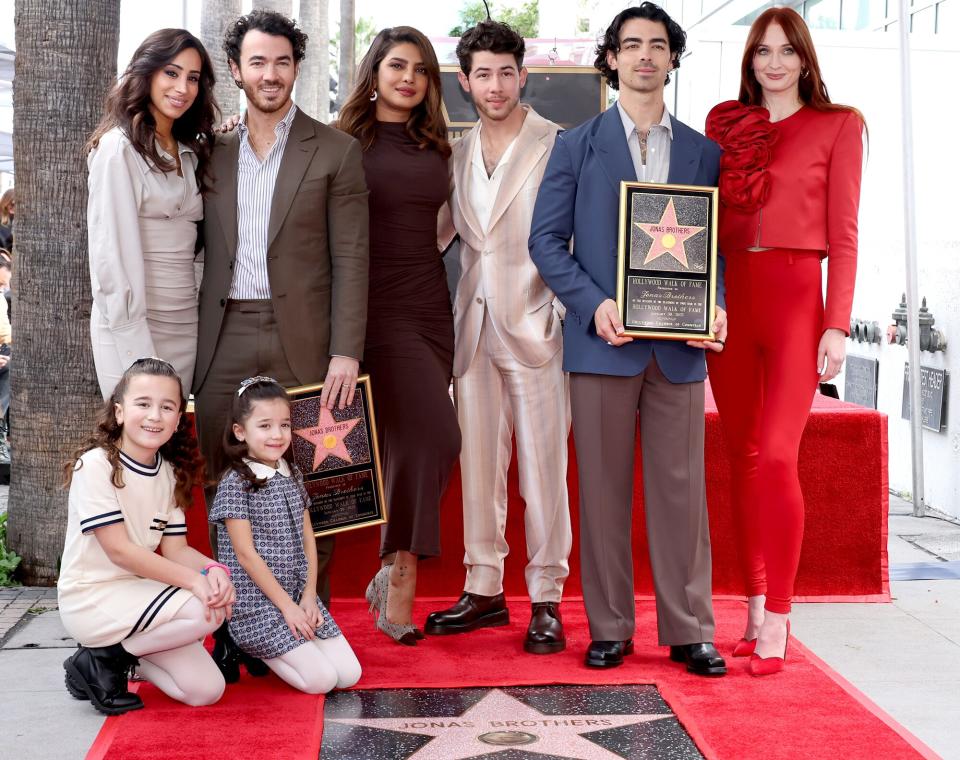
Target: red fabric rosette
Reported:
point(747, 138)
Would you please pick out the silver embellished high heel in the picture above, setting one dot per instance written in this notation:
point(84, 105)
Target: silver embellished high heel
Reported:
point(376, 595)
point(371, 593)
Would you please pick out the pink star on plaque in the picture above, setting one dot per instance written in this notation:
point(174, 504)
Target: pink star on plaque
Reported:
point(327, 437)
point(668, 236)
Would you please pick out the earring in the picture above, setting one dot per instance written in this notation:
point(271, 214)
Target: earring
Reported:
point(374, 96)
point(804, 73)
point(238, 83)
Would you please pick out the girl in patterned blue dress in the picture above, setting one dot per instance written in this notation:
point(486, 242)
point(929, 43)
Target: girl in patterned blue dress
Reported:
point(265, 537)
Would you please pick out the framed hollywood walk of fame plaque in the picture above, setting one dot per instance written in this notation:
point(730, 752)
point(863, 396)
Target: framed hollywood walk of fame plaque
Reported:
point(337, 452)
point(667, 260)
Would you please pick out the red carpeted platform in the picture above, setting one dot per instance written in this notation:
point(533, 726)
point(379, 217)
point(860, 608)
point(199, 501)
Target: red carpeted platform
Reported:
point(808, 711)
point(843, 471)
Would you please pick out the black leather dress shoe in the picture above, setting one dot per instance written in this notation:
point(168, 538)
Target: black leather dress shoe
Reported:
point(471, 611)
point(545, 632)
point(608, 654)
point(701, 659)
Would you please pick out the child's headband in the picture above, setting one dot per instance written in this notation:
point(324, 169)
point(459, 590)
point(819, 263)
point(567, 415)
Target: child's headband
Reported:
point(154, 359)
point(251, 380)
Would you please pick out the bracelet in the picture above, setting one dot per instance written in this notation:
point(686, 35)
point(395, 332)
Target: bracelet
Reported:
point(206, 570)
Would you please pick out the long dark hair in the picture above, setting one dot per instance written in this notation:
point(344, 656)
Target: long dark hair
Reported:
point(180, 451)
point(812, 89)
point(426, 124)
point(127, 103)
point(241, 407)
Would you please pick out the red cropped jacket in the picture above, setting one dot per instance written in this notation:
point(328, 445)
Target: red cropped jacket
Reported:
point(808, 200)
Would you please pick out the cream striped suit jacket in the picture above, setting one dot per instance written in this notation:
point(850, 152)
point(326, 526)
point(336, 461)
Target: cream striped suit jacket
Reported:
point(496, 270)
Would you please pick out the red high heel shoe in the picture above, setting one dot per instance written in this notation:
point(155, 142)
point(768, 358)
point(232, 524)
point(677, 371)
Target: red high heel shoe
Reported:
point(745, 647)
point(767, 666)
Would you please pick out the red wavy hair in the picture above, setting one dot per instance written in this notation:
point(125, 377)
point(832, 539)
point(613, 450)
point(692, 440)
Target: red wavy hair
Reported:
point(813, 91)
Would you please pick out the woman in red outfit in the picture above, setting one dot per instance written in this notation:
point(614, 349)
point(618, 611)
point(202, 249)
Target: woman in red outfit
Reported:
point(789, 193)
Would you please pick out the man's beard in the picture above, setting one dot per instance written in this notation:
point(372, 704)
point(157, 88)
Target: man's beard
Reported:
point(498, 115)
point(262, 104)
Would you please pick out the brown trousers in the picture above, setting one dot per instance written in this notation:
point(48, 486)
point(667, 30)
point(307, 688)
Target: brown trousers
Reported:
point(604, 409)
point(249, 345)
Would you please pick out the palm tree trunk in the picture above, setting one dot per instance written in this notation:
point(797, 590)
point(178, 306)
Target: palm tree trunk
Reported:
point(66, 61)
point(313, 86)
point(215, 16)
point(348, 53)
point(280, 6)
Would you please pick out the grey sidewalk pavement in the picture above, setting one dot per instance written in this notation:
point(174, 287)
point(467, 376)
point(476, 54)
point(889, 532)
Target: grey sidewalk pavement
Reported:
point(905, 656)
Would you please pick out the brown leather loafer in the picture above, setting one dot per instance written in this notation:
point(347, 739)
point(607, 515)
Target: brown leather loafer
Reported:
point(545, 632)
point(471, 612)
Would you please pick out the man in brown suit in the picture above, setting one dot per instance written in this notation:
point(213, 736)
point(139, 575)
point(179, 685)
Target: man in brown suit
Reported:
point(284, 290)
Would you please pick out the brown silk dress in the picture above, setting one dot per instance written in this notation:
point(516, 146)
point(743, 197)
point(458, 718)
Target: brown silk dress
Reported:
point(409, 347)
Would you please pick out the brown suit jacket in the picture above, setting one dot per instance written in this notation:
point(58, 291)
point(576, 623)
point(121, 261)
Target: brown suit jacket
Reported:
point(318, 248)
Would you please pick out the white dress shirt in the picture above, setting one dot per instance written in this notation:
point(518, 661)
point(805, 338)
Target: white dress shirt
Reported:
point(255, 183)
point(483, 188)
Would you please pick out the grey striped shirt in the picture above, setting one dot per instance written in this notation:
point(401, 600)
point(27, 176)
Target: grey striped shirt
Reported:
point(657, 168)
point(255, 184)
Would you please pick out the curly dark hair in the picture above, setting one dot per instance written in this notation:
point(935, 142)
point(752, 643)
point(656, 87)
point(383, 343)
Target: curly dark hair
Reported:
point(491, 36)
point(676, 38)
point(426, 124)
point(268, 22)
point(241, 407)
point(180, 451)
point(127, 103)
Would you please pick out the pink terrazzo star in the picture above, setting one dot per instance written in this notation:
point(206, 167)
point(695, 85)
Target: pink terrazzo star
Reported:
point(458, 738)
point(327, 437)
point(668, 236)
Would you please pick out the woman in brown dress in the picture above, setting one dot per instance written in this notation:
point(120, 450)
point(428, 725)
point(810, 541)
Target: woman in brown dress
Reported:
point(394, 111)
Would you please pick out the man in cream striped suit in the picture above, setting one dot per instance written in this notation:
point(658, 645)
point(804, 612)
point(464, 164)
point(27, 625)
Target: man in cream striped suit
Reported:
point(507, 362)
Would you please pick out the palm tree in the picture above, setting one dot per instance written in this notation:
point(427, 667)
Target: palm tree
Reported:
point(214, 18)
point(313, 86)
point(280, 6)
point(65, 63)
point(348, 53)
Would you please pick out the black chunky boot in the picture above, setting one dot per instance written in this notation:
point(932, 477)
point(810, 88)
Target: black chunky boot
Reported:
point(226, 654)
point(101, 675)
point(254, 665)
point(75, 689)
point(229, 657)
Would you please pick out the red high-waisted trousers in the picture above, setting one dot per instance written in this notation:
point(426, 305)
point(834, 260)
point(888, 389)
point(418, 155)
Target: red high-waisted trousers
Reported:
point(763, 382)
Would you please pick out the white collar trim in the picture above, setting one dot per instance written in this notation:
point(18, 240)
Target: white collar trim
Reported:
point(265, 471)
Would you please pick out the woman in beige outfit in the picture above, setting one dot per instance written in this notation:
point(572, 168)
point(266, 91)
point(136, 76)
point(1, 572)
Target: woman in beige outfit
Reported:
point(146, 165)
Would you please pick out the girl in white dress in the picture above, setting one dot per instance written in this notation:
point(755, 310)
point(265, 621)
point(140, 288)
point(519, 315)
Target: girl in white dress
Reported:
point(118, 597)
point(147, 164)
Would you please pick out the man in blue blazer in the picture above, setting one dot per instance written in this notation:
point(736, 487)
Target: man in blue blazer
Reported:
point(612, 376)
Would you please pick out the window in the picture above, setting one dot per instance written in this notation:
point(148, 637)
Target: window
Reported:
point(822, 14)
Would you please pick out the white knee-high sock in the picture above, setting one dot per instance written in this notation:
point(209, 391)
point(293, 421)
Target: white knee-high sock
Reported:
point(187, 674)
point(338, 652)
point(305, 668)
point(188, 625)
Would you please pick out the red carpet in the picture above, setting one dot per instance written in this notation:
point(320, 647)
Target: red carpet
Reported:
point(843, 471)
point(805, 712)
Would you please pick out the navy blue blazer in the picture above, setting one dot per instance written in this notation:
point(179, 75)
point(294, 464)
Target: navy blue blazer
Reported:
point(579, 198)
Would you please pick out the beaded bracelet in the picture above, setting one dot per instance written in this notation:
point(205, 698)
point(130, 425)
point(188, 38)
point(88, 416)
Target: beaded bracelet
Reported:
point(206, 570)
